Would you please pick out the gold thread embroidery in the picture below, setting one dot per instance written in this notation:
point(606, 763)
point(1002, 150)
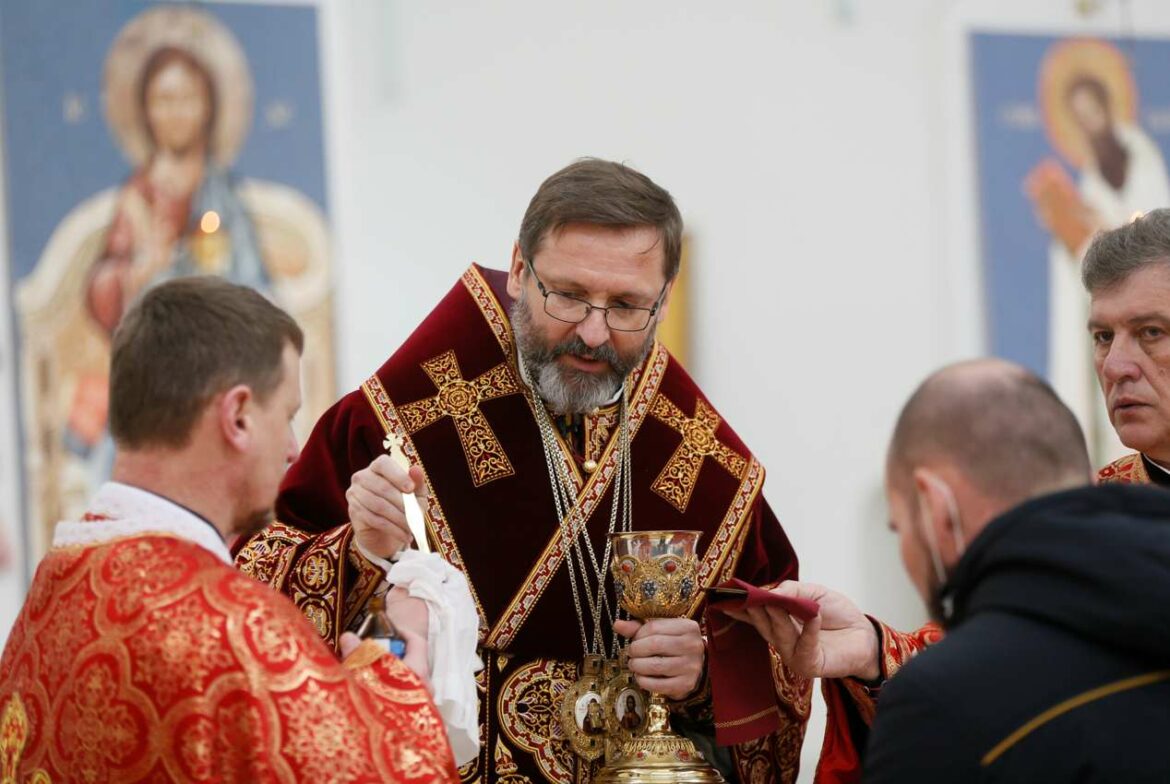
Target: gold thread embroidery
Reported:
point(13, 737)
point(437, 525)
point(528, 706)
point(748, 719)
point(677, 480)
point(460, 399)
point(1126, 470)
point(646, 387)
point(598, 428)
point(723, 552)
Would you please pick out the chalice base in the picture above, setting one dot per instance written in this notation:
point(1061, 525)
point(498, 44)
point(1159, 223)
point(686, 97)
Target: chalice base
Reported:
point(660, 756)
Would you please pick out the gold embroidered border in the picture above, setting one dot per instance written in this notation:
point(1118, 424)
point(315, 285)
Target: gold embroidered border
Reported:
point(315, 583)
point(489, 306)
point(497, 320)
point(748, 719)
point(900, 647)
point(437, 525)
point(364, 655)
point(269, 554)
point(722, 554)
point(595, 488)
point(540, 686)
point(1130, 469)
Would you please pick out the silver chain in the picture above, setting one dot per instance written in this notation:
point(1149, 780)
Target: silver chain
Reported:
point(569, 514)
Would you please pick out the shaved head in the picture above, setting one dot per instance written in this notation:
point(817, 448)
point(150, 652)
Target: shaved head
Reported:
point(997, 424)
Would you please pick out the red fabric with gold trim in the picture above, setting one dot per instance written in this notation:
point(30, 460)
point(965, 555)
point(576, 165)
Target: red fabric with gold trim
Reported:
point(147, 658)
point(477, 526)
point(453, 394)
point(851, 707)
point(1130, 470)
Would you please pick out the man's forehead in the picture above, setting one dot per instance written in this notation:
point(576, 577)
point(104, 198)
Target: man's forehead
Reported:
point(1144, 292)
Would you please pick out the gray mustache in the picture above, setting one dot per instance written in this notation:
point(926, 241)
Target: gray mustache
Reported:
point(578, 347)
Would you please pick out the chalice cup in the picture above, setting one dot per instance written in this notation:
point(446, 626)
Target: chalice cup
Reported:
point(655, 575)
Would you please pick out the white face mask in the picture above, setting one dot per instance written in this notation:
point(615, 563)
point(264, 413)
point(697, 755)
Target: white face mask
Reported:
point(956, 526)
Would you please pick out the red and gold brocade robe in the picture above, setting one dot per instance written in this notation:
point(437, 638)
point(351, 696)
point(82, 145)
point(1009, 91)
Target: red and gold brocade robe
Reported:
point(851, 705)
point(1133, 470)
point(452, 392)
point(141, 654)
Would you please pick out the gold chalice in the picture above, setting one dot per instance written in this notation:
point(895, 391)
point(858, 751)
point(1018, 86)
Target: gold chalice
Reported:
point(655, 575)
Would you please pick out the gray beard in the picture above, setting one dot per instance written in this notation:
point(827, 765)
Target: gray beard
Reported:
point(568, 390)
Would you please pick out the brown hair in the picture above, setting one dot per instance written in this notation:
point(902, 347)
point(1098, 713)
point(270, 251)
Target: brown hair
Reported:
point(184, 342)
point(1115, 255)
point(160, 59)
point(602, 193)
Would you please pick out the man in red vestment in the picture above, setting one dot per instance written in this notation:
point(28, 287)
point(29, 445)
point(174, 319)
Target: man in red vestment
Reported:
point(141, 654)
point(1127, 274)
point(539, 415)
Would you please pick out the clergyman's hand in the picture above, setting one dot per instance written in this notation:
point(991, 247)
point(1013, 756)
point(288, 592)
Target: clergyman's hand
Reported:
point(666, 655)
point(839, 642)
point(376, 508)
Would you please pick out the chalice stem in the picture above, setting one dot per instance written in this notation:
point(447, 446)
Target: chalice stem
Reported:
point(658, 715)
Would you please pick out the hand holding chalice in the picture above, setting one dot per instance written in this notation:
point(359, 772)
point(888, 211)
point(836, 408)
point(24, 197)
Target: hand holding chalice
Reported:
point(656, 576)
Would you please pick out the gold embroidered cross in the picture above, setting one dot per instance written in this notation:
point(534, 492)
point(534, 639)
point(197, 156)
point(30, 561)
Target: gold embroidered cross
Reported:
point(459, 399)
point(677, 480)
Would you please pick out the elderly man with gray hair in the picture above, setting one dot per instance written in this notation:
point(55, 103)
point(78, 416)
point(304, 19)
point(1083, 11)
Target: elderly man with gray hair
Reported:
point(1127, 273)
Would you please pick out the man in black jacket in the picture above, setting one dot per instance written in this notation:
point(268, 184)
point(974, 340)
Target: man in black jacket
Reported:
point(1054, 594)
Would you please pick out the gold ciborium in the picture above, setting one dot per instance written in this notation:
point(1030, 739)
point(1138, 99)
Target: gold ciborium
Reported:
point(655, 575)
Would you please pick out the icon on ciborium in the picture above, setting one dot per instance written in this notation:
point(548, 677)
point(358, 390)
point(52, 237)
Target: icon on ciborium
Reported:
point(655, 575)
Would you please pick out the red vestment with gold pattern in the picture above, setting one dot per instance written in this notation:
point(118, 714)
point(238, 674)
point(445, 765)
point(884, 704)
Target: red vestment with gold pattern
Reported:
point(851, 705)
point(1130, 470)
point(452, 393)
point(141, 654)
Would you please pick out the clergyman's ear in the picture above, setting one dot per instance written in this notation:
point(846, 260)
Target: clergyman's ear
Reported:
point(234, 409)
point(516, 272)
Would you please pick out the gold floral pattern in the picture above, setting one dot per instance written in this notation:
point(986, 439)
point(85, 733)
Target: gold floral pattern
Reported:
point(13, 737)
point(223, 745)
point(772, 759)
point(678, 477)
point(529, 711)
point(211, 676)
point(99, 732)
point(460, 399)
point(319, 719)
point(268, 555)
point(1126, 470)
point(178, 652)
point(900, 647)
point(63, 638)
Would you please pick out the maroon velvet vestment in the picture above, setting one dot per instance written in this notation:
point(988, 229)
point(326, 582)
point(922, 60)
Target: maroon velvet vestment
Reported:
point(453, 394)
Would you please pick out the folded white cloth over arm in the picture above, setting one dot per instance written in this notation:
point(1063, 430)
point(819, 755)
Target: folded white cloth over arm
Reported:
point(452, 636)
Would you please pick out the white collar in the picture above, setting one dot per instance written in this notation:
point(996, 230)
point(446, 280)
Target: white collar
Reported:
point(1157, 465)
point(120, 510)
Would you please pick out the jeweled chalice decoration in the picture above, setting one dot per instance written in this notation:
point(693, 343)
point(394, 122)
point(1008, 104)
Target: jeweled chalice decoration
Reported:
point(655, 575)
